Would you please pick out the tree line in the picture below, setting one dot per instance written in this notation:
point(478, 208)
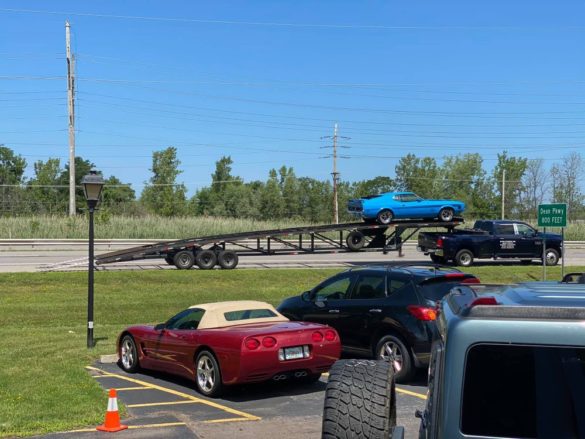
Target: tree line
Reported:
point(523, 184)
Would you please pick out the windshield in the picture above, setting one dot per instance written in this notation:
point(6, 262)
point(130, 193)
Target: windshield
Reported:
point(524, 392)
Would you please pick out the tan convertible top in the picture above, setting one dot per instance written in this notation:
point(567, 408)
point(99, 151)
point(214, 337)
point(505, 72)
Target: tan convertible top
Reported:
point(214, 316)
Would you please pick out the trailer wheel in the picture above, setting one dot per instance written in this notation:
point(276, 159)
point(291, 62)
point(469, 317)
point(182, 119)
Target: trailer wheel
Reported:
point(227, 259)
point(355, 240)
point(206, 259)
point(184, 259)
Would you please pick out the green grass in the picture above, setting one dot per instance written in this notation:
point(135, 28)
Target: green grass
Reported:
point(125, 227)
point(155, 227)
point(43, 384)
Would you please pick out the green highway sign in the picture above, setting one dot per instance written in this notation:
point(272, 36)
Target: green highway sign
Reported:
point(552, 215)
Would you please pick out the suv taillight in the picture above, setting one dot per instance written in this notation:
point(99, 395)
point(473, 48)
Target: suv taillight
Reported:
point(422, 312)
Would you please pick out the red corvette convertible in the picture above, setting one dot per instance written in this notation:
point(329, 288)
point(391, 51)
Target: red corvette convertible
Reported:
point(224, 343)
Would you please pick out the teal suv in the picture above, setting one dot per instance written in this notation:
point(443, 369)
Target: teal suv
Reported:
point(507, 362)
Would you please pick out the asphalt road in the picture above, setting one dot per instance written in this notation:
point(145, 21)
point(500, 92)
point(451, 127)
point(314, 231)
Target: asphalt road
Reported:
point(165, 406)
point(35, 259)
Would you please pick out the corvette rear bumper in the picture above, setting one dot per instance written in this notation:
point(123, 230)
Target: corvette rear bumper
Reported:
point(266, 366)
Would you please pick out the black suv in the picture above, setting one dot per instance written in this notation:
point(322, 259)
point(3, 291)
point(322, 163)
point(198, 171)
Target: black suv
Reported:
point(381, 311)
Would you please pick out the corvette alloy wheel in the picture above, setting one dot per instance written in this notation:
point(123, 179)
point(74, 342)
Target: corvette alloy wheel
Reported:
point(128, 354)
point(208, 374)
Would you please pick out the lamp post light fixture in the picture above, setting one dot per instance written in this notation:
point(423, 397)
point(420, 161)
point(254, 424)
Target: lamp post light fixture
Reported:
point(93, 184)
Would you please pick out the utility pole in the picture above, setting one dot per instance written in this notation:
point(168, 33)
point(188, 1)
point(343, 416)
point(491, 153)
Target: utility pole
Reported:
point(503, 191)
point(71, 111)
point(335, 174)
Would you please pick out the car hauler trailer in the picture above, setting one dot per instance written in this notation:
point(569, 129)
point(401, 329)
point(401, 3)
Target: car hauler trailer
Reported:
point(208, 251)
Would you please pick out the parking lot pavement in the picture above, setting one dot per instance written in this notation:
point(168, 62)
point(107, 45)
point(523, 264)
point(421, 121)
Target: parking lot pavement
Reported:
point(162, 405)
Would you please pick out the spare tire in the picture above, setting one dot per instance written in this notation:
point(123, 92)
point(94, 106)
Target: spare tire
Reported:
point(360, 400)
point(355, 240)
point(227, 259)
point(206, 259)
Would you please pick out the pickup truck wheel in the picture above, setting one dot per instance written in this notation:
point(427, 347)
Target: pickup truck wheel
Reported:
point(355, 240)
point(552, 256)
point(184, 259)
point(385, 216)
point(206, 259)
point(446, 214)
point(360, 400)
point(391, 346)
point(464, 258)
point(227, 259)
point(438, 259)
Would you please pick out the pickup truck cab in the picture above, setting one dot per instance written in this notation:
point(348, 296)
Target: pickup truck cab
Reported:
point(508, 362)
point(490, 239)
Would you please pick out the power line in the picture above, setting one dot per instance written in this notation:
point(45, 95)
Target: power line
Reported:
point(296, 25)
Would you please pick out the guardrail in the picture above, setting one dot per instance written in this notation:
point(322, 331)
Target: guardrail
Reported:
point(117, 244)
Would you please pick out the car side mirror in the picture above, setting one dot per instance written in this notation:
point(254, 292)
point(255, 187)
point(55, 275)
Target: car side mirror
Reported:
point(306, 296)
point(159, 327)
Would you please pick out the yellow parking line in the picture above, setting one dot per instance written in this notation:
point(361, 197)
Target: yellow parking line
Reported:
point(408, 392)
point(167, 424)
point(181, 394)
point(217, 421)
point(152, 404)
point(131, 388)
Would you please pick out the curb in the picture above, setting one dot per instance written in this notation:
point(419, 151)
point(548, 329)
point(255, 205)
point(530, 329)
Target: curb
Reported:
point(107, 359)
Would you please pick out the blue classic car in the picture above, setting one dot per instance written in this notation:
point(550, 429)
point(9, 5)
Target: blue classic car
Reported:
point(401, 205)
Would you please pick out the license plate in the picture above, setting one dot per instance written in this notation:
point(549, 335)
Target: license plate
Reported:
point(439, 252)
point(293, 353)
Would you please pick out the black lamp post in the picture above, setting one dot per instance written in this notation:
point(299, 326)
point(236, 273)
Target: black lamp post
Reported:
point(92, 187)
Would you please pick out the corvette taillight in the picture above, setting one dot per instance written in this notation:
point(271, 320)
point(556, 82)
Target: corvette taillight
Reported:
point(252, 343)
point(330, 335)
point(268, 342)
point(317, 337)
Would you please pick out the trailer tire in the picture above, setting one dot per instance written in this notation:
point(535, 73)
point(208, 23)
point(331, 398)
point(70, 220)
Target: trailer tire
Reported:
point(184, 259)
point(227, 259)
point(206, 259)
point(355, 240)
point(464, 258)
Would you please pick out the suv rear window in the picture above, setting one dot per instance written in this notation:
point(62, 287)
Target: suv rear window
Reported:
point(524, 391)
point(436, 289)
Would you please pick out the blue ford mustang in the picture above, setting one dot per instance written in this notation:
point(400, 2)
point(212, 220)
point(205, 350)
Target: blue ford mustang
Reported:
point(400, 205)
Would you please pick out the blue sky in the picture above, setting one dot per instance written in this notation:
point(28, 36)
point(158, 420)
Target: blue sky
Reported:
point(263, 81)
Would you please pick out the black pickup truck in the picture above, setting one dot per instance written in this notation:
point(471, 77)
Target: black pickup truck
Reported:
point(490, 239)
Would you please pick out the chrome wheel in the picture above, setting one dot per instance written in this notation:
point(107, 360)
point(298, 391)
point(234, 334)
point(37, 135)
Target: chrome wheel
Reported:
point(552, 257)
point(128, 354)
point(390, 351)
point(206, 374)
point(385, 217)
point(446, 215)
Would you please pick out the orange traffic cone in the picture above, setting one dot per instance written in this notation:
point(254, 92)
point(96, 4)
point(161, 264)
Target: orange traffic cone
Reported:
point(112, 421)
